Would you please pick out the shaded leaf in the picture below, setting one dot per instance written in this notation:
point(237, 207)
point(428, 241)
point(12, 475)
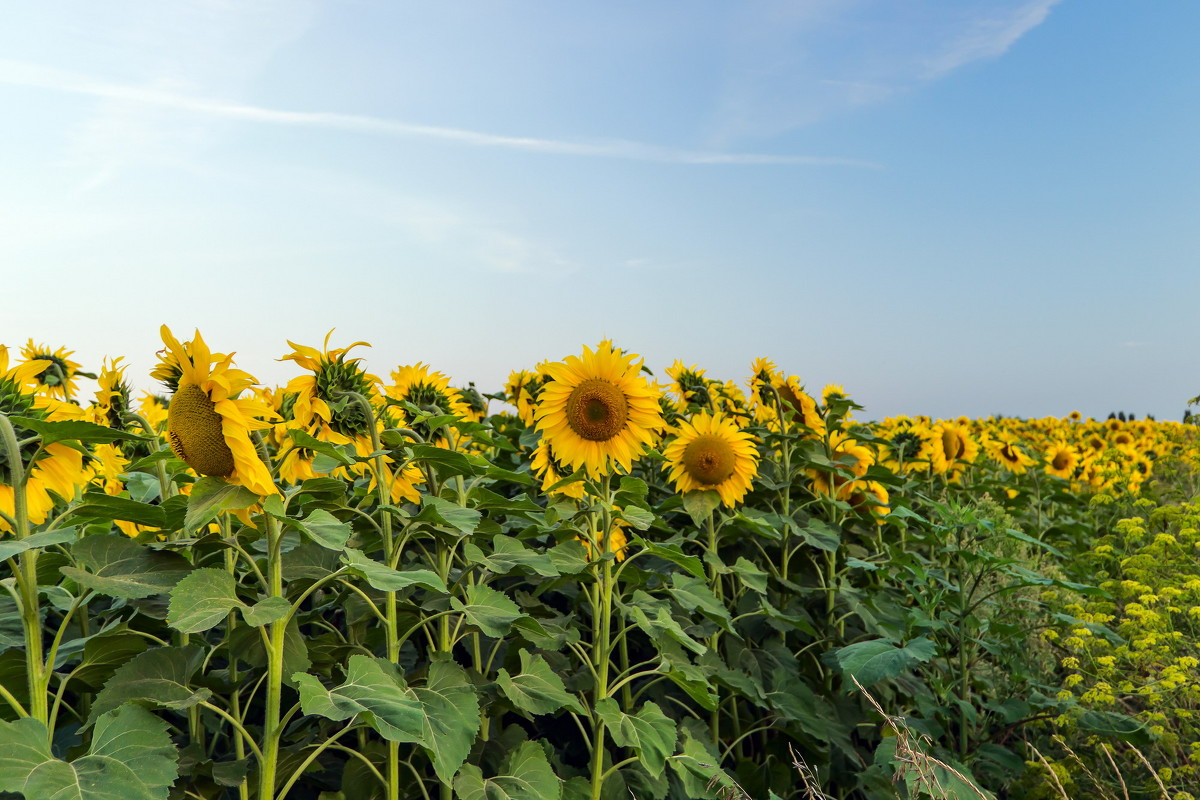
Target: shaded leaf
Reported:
point(537, 689)
point(525, 775)
point(120, 567)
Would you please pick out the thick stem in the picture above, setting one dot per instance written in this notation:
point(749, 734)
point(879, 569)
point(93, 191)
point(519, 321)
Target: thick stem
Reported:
point(603, 636)
point(271, 722)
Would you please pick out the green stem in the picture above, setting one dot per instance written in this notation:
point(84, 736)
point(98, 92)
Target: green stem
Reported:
point(603, 635)
point(272, 724)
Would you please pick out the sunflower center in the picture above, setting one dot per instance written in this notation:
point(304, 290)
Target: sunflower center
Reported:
point(597, 410)
point(953, 445)
point(195, 433)
point(709, 459)
point(1061, 460)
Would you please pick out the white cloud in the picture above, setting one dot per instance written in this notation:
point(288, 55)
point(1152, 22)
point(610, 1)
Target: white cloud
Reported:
point(150, 99)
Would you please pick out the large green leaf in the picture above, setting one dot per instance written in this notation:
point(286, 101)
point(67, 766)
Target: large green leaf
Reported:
point(537, 689)
point(202, 600)
point(373, 688)
point(508, 554)
point(451, 717)
point(100, 506)
point(438, 510)
point(877, 659)
point(74, 430)
point(159, 677)
point(1117, 726)
point(211, 496)
point(525, 775)
point(672, 553)
point(120, 567)
point(487, 609)
point(650, 733)
point(700, 505)
point(10, 547)
point(104, 653)
point(131, 758)
point(694, 595)
point(323, 528)
point(654, 618)
point(385, 579)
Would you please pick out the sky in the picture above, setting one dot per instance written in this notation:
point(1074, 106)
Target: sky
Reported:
point(974, 207)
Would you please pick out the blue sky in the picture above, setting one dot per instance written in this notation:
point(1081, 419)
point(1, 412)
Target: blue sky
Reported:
point(970, 208)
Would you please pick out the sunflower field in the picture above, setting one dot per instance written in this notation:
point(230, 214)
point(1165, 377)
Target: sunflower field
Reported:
point(593, 583)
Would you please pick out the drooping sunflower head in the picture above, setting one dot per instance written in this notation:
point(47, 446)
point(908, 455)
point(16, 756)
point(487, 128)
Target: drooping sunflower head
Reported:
point(474, 401)
point(731, 401)
point(208, 424)
point(17, 399)
point(113, 395)
point(522, 391)
point(690, 387)
point(763, 375)
point(418, 385)
point(598, 411)
point(712, 453)
point(798, 405)
point(551, 471)
point(324, 395)
point(56, 375)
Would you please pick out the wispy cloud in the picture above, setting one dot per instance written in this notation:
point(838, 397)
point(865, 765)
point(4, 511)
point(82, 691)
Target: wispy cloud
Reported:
point(37, 76)
point(989, 36)
point(790, 65)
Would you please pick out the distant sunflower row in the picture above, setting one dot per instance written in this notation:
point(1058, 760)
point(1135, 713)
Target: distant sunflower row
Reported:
point(586, 417)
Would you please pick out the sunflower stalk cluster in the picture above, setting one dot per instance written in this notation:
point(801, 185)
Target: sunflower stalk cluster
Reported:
point(350, 587)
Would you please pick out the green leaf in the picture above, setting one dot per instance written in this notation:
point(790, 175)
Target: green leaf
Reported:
point(877, 659)
point(650, 733)
point(131, 758)
point(672, 553)
point(74, 430)
point(10, 547)
point(1116, 726)
point(266, 611)
point(117, 566)
point(487, 609)
point(202, 600)
point(525, 775)
point(638, 517)
point(821, 535)
point(447, 463)
point(569, 557)
point(104, 653)
point(509, 553)
point(537, 689)
point(211, 496)
point(373, 688)
point(700, 505)
point(750, 575)
point(694, 595)
point(695, 766)
point(341, 456)
point(451, 717)
point(654, 618)
point(386, 579)
point(439, 510)
point(324, 528)
point(157, 677)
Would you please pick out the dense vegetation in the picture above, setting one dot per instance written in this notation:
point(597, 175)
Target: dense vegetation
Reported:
point(589, 584)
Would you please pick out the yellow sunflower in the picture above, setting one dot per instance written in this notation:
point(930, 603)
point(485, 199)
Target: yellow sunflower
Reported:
point(56, 376)
point(208, 425)
point(799, 405)
point(1061, 460)
point(712, 453)
point(614, 543)
point(850, 455)
point(763, 376)
point(522, 391)
point(112, 395)
point(551, 471)
point(597, 411)
point(689, 386)
point(1010, 455)
point(952, 445)
point(316, 396)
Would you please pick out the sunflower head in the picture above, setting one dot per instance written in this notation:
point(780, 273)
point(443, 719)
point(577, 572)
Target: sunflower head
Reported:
point(321, 396)
point(598, 411)
point(208, 424)
point(690, 387)
point(56, 375)
point(797, 404)
point(712, 453)
point(113, 395)
point(522, 391)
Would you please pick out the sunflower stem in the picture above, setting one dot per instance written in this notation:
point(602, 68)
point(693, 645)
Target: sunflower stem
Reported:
point(26, 576)
point(603, 635)
point(272, 732)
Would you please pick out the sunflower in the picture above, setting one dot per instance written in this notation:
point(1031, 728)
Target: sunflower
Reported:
point(952, 444)
point(850, 455)
point(1010, 455)
point(56, 376)
point(614, 543)
point(597, 411)
point(551, 471)
point(208, 426)
point(317, 400)
point(763, 376)
point(712, 453)
point(689, 386)
point(797, 404)
point(1061, 460)
point(522, 391)
point(112, 395)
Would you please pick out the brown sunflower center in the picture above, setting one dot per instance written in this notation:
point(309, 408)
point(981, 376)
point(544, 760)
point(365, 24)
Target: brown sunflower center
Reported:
point(709, 459)
point(597, 410)
point(953, 445)
point(1061, 460)
point(195, 433)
